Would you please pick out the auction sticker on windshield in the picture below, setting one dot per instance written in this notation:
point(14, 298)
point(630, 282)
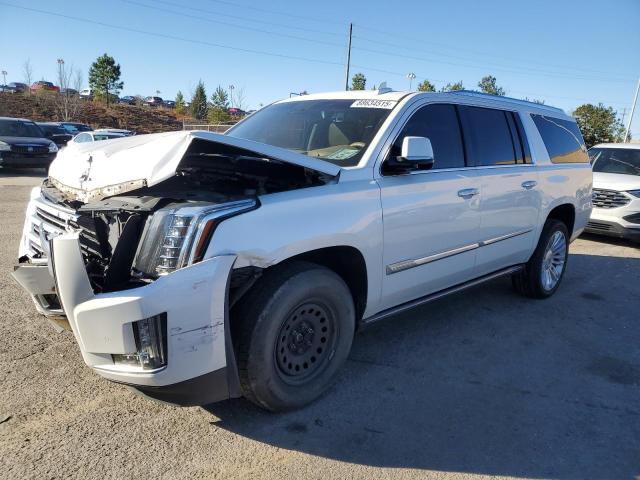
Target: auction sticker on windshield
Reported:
point(373, 103)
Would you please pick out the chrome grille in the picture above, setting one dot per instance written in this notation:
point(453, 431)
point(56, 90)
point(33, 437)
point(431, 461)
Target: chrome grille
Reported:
point(45, 221)
point(608, 198)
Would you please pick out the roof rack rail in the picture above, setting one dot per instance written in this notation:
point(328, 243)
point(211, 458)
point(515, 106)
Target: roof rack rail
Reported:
point(473, 93)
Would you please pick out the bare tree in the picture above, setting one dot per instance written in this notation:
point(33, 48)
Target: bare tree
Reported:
point(68, 101)
point(27, 72)
point(240, 99)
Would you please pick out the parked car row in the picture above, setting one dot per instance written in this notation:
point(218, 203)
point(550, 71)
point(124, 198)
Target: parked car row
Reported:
point(25, 143)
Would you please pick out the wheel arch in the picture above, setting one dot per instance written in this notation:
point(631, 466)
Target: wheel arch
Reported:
point(565, 213)
point(346, 261)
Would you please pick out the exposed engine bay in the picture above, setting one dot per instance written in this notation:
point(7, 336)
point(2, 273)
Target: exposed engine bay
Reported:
point(209, 174)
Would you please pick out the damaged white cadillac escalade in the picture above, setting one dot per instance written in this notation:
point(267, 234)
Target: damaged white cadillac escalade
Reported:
point(197, 267)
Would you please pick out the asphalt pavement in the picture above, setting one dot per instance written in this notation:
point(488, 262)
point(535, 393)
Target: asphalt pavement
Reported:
point(485, 383)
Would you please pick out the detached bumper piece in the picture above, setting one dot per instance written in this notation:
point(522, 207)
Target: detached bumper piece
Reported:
point(168, 339)
point(208, 388)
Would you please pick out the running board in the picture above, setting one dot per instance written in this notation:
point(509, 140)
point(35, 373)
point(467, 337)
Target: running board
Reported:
point(435, 296)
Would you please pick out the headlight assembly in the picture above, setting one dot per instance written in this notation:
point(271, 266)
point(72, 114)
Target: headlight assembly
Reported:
point(176, 237)
point(635, 193)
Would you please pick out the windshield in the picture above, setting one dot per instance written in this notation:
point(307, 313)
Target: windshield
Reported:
point(625, 161)
point(337, 131)
point(106, 136)
point(16, 128)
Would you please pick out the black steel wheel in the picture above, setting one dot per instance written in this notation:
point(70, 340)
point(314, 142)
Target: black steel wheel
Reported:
point(292, 333)
point(307, 337)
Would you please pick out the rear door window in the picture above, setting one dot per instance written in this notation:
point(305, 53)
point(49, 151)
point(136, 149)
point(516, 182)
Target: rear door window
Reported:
point(439, 123)
point(489, 136)
point(562, 138)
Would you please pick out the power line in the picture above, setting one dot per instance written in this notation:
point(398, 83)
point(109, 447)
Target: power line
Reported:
point(448, 55)
point(267, 32)
point(272, 12)
point(173, 37)
point(475, 52)
point(245, 19)
point(482, 67)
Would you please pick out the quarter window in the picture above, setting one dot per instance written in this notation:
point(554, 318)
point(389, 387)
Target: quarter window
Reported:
point(562, 138)
point(439, 123)
point(489, 136)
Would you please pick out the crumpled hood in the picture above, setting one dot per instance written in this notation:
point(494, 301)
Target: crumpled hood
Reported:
point(109, 167)
point(616, 181)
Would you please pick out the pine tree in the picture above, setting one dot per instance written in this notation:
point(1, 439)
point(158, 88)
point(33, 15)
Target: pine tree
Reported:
point(104, 76)
point(358, 82)
point(199, 107)
point(179, 108)
point(219, 104)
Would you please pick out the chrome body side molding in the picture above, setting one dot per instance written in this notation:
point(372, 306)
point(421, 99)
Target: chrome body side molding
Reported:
point(436, 295)
point(416, 262)
point(406, 264)
point(504, 237)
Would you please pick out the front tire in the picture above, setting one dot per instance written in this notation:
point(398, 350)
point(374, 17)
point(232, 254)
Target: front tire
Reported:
point(293, 332)
point(544, 271)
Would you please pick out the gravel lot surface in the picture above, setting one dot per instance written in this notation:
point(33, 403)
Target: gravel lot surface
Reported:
point(485, 383)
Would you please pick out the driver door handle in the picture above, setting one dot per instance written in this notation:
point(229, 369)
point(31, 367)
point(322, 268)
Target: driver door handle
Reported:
point(529, 184)
point(467, 193)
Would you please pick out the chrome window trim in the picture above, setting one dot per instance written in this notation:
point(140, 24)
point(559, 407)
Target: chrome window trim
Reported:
point(411, 108)
point(416, 262)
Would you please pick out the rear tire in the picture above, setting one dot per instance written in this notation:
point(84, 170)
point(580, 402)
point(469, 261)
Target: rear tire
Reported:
point(544, 271)
point(293, 332)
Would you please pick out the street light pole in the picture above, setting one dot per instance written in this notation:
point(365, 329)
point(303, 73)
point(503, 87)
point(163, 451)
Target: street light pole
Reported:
point(411, 77)
point(4, 77)
point(231, 87)
point(633, 109)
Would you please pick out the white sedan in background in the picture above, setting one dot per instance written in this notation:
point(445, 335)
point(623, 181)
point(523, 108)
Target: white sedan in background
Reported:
point(94, 136)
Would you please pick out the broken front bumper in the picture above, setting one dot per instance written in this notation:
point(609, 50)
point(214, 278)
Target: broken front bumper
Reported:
point(200, 367)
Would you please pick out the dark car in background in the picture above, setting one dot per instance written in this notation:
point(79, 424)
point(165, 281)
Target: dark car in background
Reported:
point(75, 127)
point(55, 132)
point(24, 144)
point(68, 91)
point(15, 87)
point(128, 100)
point(154, 101)
point(170, 104)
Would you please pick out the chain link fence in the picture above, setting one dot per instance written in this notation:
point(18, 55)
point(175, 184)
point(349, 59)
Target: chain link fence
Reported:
point(216, 128)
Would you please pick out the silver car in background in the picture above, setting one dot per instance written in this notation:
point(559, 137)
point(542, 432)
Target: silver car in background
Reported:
point(616, 190)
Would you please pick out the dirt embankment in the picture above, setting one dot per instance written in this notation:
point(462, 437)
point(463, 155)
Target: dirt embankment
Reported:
point(45, 108)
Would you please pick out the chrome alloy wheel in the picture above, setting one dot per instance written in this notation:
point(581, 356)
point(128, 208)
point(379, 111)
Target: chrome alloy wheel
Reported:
point(553, 261)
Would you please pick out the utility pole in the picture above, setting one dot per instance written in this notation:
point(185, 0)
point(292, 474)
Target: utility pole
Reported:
point(346, 73)
point(633, 108)
point(4, 76)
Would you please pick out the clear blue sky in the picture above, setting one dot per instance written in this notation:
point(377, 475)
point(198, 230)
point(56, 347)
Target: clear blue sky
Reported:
point(564, 52)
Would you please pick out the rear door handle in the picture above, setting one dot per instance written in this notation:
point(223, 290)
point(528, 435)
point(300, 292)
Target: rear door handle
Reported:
point(529, 184)
point(468, 192)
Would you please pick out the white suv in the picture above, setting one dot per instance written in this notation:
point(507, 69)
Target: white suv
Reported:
point(616, 190)
point(196, 267)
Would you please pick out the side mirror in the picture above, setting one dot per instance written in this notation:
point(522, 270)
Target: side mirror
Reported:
point(417, 150)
